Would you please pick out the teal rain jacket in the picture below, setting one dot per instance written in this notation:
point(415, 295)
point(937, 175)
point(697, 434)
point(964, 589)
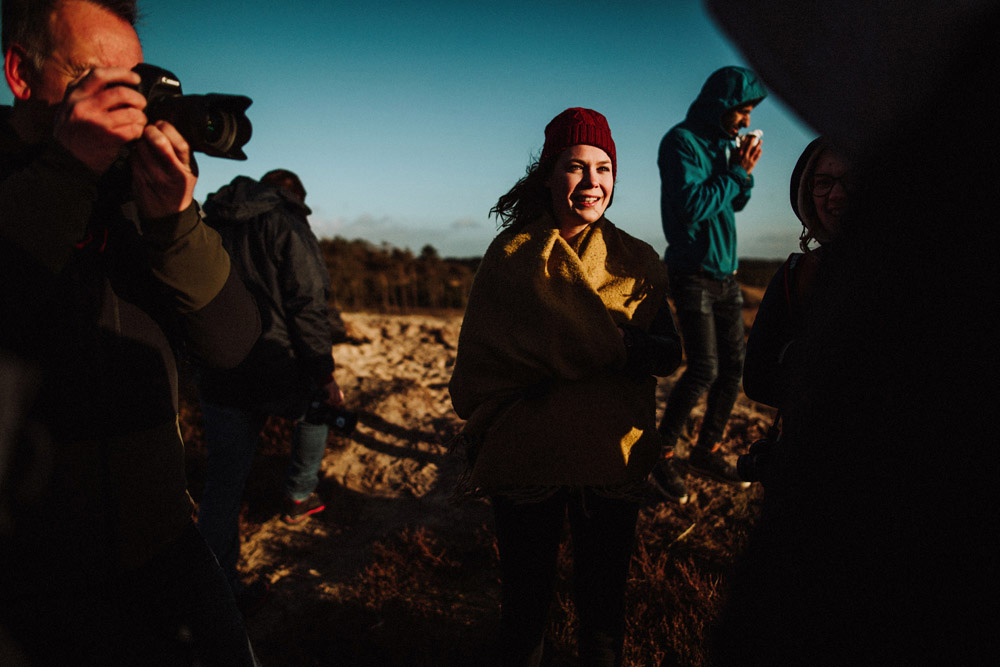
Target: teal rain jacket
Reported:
point(700, 192)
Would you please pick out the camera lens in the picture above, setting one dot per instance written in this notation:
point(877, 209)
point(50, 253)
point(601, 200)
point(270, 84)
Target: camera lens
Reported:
point(215, 126)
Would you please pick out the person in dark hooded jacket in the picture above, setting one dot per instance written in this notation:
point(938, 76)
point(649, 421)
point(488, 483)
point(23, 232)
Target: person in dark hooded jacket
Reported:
point(705, 173)
point(823, 185)
point(263, 227)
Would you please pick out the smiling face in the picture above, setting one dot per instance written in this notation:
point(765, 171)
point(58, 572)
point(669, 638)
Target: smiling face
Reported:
point(831, 204)
point(736, 119)
point(581, 185)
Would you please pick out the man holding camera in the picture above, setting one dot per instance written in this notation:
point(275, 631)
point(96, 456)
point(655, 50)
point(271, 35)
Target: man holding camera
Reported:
point(105, 269)
point(705, 175)
point(264, 228)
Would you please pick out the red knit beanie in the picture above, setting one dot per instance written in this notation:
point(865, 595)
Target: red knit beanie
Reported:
point(578, 126)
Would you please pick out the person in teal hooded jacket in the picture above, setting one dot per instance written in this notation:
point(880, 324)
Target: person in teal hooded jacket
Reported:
point(705, 173)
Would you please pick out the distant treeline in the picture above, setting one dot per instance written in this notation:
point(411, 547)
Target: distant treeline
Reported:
point(381, 278)
point(365, 276)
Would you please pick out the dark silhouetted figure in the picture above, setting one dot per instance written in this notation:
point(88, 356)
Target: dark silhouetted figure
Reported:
point(106, 269)
point(877, 542)
point(264, 228)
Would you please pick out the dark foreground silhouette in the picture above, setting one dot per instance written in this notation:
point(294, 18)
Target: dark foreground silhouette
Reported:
point(877, 539)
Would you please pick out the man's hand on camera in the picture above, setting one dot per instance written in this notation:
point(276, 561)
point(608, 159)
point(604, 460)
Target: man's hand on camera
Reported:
point(99, 114)
point(162, 178)
point(334, 395)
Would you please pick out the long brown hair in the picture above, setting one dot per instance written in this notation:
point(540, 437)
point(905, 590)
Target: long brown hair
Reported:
point(528, 199)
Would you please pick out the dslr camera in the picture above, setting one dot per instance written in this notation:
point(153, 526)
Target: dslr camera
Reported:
point(213, 124)
point(755, 464)
point(337, 418)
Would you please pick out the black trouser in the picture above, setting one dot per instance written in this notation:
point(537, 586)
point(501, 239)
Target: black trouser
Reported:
point(528, 537)
point(710, 317)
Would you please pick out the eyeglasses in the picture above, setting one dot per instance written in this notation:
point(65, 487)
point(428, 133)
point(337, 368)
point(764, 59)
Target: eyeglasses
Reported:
point(821, 184)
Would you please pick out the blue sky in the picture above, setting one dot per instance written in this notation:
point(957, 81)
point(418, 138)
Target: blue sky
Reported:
point(406, 121)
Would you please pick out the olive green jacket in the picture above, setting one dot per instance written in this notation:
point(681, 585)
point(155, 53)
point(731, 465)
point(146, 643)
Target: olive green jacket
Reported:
point(100, 302)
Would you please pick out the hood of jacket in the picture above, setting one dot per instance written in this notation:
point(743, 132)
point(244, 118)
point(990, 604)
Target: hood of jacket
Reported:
point(801, 199)
point(245, 199)
point(725, 89)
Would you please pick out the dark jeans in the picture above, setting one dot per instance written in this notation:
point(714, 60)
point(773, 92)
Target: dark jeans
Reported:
point(176, 610)
point(528, 537)
point(710, 317)
point(231, 437)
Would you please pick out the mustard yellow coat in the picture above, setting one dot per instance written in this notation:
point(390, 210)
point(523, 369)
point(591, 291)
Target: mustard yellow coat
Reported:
point(538, 371)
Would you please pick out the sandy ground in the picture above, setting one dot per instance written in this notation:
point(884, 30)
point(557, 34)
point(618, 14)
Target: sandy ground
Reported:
point(392, 475)
point(394, 469)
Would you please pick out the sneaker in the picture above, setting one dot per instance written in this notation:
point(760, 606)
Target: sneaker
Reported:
point(669, 482)
point(710, 463)
point(250, 597)
point(297, 510)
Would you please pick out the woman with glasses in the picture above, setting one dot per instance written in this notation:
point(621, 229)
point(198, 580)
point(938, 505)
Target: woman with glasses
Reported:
point(822, 190)
point(566, 325)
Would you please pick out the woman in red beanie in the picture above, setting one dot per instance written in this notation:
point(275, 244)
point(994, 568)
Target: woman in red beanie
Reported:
point(566, 326)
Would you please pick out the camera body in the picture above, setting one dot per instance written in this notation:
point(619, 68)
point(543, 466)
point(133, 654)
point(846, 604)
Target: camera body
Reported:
point(213, 124)
point(756, 464)
point(340, 420)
